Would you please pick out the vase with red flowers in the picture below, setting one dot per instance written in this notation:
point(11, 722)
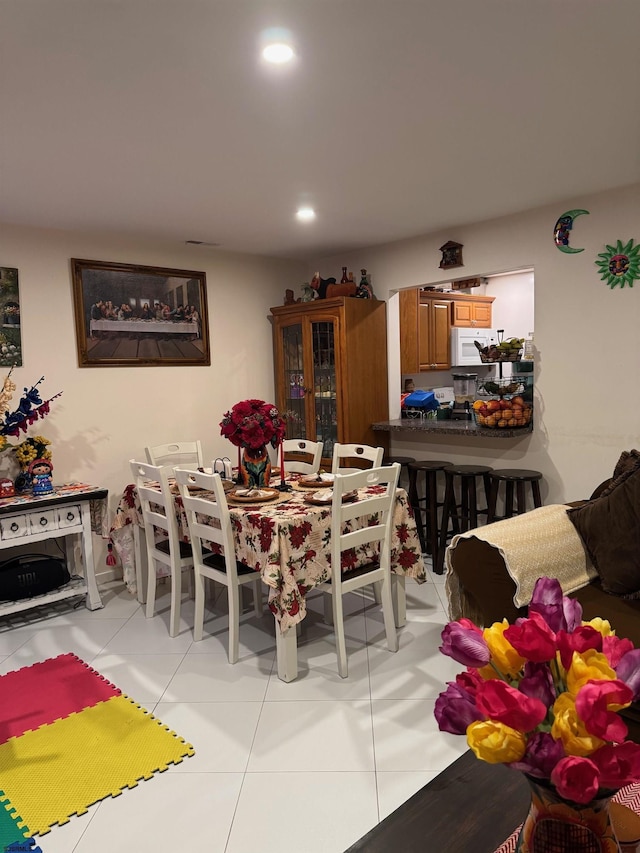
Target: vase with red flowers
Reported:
point(251, 425)
point(542, 696)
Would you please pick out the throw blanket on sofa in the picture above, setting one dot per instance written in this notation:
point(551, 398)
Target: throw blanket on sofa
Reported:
point(539, 543)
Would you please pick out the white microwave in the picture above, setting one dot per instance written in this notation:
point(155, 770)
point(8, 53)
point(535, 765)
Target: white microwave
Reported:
point(464, 352)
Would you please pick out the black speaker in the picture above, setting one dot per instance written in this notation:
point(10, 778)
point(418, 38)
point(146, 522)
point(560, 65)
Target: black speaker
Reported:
point(31, 574)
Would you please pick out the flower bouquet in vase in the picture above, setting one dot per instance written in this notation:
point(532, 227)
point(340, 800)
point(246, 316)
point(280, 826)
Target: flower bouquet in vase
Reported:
point(250, 425)
point(542, 696)
point(32, 453)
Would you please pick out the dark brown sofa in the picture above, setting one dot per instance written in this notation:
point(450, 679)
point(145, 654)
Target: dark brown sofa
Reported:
point(477, 574)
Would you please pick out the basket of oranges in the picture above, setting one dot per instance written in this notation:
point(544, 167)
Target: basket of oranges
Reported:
point(503, 413)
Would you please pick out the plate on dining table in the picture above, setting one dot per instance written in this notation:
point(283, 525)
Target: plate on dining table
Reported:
point(316, 481)
point(325, 497)
point(252, 496)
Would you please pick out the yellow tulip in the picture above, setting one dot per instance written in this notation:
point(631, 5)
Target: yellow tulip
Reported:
point(603, 626)
point(569, 728)
point(586, 665)
point(505, 657)
point(496, 743)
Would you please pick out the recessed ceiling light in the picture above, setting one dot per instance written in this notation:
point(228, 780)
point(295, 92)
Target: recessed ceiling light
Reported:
point(278, 53)
point(306, 214)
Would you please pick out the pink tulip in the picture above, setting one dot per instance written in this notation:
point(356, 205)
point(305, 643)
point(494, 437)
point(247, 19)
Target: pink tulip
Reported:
point(615, 648)
point(584, 637)
point(532, 638)
point(619, 764)
point(500, 702)
point(576, 779)
point(592, 705)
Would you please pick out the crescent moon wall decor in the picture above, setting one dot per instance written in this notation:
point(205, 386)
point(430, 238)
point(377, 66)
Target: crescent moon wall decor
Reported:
point(620, 264)
point(561, 230)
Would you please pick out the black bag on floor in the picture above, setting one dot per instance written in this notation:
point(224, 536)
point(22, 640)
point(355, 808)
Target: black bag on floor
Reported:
point(31, 574)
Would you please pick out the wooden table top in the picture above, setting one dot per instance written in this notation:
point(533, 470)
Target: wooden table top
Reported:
point(470, 806)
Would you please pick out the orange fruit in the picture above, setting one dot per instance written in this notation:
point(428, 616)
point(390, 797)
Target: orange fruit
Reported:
point(502, 423)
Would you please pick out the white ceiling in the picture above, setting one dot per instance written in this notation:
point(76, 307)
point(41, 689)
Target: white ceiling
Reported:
point(397, 117)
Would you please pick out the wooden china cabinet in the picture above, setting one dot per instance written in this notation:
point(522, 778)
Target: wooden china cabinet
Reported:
point(330, 359)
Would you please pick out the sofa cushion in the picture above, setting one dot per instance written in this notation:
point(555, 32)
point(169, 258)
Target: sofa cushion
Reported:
point(609, 527)
point(629, 461)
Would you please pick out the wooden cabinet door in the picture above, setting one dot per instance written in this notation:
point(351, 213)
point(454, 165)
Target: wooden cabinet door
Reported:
point(468, 314)
point(440, 335)
point(434, 336)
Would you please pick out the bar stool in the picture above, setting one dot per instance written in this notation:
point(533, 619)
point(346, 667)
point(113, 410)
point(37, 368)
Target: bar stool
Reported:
point(403, 462)
point(464, 515)
point(513, 476)
point(427, 503)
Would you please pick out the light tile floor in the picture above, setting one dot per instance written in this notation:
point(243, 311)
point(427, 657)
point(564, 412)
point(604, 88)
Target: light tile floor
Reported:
point(309, 766)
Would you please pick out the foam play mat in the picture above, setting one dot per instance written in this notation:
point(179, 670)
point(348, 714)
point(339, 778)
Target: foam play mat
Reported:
point(69, 738)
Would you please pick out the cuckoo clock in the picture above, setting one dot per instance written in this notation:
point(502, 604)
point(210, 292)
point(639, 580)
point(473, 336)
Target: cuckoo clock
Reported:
point(451, 255)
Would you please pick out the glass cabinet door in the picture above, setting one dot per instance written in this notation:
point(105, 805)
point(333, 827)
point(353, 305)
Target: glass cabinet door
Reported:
point(294, 387)
point(325, 385)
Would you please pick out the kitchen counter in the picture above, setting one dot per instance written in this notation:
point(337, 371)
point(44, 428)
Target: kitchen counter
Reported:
point(428, 425)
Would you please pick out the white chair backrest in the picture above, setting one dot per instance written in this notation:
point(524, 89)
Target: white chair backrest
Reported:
point(153, 489)
point(311, 449)
point(207, 514)
point(380, 503)
point(185, 453)
point(355, 451)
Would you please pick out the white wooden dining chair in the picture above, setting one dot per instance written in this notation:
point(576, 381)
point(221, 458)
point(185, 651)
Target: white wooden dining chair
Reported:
point(184, 453)
point(209, 523)
point(158, 513)
point(367, 521)
point(311, 450)
point(355, 451)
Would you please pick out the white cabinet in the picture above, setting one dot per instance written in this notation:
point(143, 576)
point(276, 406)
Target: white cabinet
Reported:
point(55, 519)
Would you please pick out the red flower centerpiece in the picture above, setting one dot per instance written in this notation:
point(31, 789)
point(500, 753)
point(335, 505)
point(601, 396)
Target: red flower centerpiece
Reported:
point(542, 696)
point(251, 425)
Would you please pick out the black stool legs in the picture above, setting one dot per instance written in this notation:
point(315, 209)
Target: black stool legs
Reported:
point(510, 477)
point(427, 504)
point(462, 516)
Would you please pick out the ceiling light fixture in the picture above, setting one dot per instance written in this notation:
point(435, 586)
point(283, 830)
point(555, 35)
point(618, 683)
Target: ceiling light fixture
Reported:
point(306, 214)
point(278, 53)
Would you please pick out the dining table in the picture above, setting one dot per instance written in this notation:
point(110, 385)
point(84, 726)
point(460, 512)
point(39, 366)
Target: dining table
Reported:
point(287, 540)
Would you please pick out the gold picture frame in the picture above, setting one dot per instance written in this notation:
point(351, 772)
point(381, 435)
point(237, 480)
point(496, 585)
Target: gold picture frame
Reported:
point(130, 315)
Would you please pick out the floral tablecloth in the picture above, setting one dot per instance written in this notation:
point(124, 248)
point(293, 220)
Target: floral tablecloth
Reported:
point(287, 541)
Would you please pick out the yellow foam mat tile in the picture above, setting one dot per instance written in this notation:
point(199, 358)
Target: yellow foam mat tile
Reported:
point(61, 769)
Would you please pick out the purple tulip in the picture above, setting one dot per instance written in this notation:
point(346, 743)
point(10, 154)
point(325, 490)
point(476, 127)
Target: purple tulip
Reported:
point(455, 710)
point(542, 755)
point(558, 611)
point(628, 670)
point(465, 645)
point(537, 683)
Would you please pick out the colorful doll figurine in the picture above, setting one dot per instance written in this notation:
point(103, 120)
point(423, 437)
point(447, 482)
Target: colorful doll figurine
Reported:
point(40, 471)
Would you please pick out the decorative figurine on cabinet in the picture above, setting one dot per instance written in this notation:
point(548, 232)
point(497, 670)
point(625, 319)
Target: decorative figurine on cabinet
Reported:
point(288, 297)
point(364, 291)
point(451, 255)
point(308, 293)
point(326, 288)
point(40, 472)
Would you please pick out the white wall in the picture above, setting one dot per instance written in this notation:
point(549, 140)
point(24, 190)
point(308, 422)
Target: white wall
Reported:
point(586, 336)
point(107, 415)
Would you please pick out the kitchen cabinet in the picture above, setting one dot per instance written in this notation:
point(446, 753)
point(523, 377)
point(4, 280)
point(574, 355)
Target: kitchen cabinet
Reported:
point(471, 311)
point(330, 360)
point(425, 331)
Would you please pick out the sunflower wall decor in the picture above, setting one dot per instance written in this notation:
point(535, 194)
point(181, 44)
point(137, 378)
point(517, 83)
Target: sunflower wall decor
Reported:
point(620, 264)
